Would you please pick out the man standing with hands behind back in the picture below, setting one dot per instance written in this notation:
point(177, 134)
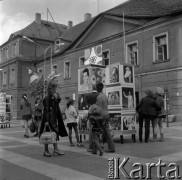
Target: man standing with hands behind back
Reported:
point(102, 102)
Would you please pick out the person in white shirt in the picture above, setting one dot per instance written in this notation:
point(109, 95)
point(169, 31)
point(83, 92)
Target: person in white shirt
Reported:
point(71, 116)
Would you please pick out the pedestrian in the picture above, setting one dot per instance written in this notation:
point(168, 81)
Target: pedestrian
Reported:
point(38, 114)
point(96, 121)
point(52, 117)
point(147, 109)
point(26, 111)
point(161, 114)
point(102, 102)
point(71, 116)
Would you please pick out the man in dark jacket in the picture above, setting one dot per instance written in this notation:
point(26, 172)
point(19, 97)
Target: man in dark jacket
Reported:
point(147, 109)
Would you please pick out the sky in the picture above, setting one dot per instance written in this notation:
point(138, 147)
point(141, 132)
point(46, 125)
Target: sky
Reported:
point(17, 14)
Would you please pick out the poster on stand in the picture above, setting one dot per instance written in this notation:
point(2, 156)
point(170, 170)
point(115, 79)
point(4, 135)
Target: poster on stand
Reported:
point(114, 97)
point(8, 99)
point(127, 74)
point(115, 121)
point(128, 98)
point(112, 74)
point(2, 107)
point(85, 100)
point(89, 76)
point(128, 122)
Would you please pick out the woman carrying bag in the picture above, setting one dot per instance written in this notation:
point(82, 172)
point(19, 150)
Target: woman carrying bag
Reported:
point(52, 117)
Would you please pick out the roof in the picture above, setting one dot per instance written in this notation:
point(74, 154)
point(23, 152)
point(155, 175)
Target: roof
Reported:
point(74, 32)
point(147, 8)
point(46, 30)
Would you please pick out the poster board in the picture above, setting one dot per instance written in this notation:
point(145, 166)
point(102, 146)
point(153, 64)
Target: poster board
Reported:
point(2, 108)
point(89, 76)
point(127, 75)
point(83, 123)
point(113, 74)
point(114, 97)
point(128, 123)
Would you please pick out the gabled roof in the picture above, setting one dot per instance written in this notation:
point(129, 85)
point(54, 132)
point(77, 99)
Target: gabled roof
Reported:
point(147, 8)
point(74, 32)
point(46, 31)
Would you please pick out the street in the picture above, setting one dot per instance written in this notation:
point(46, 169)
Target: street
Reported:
point(22, 158)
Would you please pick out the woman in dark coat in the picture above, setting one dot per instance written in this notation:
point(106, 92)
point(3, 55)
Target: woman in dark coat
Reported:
point(52, 116)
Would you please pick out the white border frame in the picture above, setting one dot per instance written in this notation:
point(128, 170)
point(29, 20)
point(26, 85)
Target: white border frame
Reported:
point(128, 114)
point(114, 89)
point(134, 100)
point(108, 74)
point(121, 70)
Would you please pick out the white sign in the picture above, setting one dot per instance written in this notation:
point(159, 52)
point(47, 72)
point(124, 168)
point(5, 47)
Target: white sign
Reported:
point(2, 107)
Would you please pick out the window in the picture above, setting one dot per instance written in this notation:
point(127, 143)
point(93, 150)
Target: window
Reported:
point(106, 58)
point(132, 53)
point(54, 68)
point(6, 52)
point(82, 61)
point(14, 49)
point(12, 76)
point(67, 69)
point(1, 56)
point(4, 78)
point(160, 48)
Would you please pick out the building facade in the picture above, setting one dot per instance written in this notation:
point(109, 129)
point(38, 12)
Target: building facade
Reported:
point(146, 34)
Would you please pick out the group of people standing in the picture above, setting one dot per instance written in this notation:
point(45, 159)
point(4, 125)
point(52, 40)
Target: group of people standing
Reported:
point(47, 113)
point(151, 110)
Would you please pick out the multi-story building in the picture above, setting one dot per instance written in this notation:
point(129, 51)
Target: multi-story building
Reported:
point(18, 54)
point(144, 33)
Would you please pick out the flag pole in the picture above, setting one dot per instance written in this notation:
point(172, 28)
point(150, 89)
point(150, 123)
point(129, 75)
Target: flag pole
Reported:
point(124, 41)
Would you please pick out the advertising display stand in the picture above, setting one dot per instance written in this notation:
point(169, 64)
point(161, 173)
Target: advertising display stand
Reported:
point(119, 87)
point(120, 90)
point(8, 112)
point(88, 77)
point(3, 110)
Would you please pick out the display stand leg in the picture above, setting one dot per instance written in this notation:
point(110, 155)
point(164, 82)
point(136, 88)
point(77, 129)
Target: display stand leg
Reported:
point(84, 137)
point(80, 138)
point(121, 138)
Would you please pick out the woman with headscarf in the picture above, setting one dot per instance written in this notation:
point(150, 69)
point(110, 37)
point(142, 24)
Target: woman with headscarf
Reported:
point(52, 116)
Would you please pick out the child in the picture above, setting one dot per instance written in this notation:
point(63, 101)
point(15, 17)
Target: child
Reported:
point(95, 119)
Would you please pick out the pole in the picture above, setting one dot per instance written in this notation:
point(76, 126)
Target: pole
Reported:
point(124, 39)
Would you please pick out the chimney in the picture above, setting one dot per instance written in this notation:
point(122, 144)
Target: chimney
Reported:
point(87, 16)
point(70, 24)
point(38, 18)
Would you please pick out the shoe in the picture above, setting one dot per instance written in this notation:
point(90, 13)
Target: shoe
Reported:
point(26, 136)
point(89, 150)
point(80, 145)
point(58, 153)
point(94, 152)
point(72, 145)
point(101, 153)
point(35, 135)
point(110, 151)
point(47, 154)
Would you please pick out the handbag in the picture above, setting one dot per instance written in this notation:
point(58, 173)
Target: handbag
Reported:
point(48, 137)
point(32, 126)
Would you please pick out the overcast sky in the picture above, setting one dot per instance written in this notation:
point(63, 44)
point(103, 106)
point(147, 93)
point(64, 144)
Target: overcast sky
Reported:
point(17, 14)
